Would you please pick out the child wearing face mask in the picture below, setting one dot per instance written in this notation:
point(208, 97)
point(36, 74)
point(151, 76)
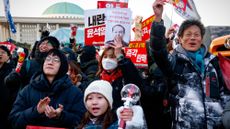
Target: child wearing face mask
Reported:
point(118, 70)
point(98, 102)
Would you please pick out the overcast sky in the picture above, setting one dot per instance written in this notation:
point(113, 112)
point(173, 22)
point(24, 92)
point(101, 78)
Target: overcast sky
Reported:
point(212, 12)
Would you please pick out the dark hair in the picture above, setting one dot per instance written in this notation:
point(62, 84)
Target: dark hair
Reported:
point(106, 119)
point(75, 69)
point(32, 53)
point(4, 48)
point(100, 68)
point(64, 64)
point(53, 40)
point(188, 23)
point(44, 33)
point(74, 66)
point(119, 26)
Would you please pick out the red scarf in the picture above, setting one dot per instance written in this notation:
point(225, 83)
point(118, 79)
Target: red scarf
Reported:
point(110, 77)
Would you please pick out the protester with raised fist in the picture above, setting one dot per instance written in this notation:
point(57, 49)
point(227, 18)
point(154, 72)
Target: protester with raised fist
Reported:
point(196, 86)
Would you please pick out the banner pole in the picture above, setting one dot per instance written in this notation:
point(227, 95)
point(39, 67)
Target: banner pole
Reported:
point(8, 25)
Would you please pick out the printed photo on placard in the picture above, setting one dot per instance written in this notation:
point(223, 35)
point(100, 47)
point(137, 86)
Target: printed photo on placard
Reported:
point(118, 26)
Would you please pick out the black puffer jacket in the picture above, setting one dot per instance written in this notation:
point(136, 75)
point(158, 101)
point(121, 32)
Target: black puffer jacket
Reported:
point(5, 99)
point(29, 68)
point(90, 69)
point(61, 91)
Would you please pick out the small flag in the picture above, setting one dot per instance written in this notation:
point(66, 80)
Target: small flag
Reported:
point(8, 16)
point(189, 12)
point(175, 13)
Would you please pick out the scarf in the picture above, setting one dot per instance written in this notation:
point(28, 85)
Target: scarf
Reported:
point(110, 77)
point(197, 59)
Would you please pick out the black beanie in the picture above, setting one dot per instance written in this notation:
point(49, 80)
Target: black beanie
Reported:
point(6, 50)
point(64, 63)
point(55, 43)
point(88, 53)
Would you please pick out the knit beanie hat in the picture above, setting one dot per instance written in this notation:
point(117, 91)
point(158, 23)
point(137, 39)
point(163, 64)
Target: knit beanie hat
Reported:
point(4, 48)
point(101, 87)
point(55, 43)
point(64, 63)
point(87, 53)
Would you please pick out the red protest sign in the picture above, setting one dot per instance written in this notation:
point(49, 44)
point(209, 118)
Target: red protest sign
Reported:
point(137, 53)
point(94, 27)
point(111, 4)
point(95, 35)
point(41, 127)
point(9, 45)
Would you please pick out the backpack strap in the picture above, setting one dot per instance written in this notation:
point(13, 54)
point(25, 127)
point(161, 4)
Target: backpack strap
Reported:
point(215, 63)
point(27, 65)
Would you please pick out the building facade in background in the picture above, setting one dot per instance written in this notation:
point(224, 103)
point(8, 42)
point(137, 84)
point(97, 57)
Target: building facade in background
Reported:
point(57, 16)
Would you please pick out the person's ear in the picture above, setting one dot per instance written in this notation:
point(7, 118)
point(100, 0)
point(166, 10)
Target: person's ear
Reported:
point(180, 39)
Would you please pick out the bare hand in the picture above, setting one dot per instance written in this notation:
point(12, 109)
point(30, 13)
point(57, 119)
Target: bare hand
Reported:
point(126, 114)
point(59, 110)
point(117, 45)
point(50, 112)
point(158, 9)
point(42, 104)
point(170, 31)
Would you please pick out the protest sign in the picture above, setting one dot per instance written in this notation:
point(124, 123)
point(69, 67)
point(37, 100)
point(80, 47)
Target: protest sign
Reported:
point(146, 27)
point(94, 27)
point(9, 45)
point(111, 4)
point(137, 52)
point(118, 24)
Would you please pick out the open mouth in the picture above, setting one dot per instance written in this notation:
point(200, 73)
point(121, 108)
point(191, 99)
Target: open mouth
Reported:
point(95, 109)
point(192, 44)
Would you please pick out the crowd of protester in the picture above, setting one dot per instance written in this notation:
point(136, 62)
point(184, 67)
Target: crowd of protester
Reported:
point(69, 87)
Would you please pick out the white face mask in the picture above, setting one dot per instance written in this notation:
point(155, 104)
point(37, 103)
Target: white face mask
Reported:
point(109, 64)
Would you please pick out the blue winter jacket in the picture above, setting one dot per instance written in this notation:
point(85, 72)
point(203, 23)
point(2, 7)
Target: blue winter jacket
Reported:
point(90, 125)
point(61, 91)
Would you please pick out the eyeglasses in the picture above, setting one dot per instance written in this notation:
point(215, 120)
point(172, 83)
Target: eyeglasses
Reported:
point(55, 60)
point(195, 35)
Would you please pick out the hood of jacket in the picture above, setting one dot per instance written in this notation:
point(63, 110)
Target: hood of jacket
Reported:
point(40, 82)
